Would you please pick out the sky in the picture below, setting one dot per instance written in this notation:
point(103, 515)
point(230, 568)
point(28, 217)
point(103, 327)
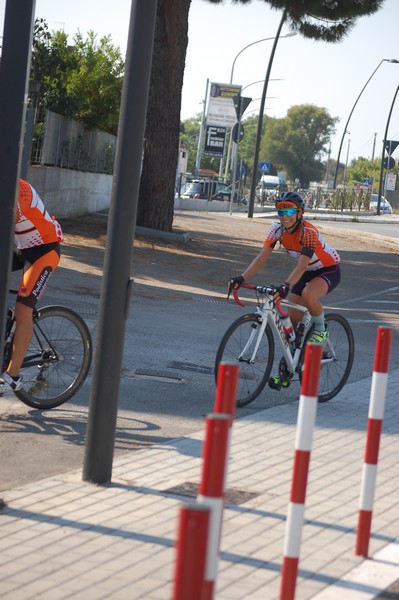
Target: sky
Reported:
point(304, 72)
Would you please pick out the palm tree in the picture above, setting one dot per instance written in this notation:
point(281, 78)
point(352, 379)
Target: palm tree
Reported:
point(316, 19)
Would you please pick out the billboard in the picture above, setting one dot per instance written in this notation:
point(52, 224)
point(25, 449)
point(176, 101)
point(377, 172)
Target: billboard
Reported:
point(214, 141)
point(221, 105)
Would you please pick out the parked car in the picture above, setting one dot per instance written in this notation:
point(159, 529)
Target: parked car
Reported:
point(385, 206)
point(195, 189)
point(225, 196)
point(209, 189)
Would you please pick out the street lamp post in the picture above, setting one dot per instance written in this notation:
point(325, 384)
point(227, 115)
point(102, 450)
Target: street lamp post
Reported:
point(347, 158)
point(383, 151)
point(260, 119)
point(391, 60)
point(289, 34)
point(228, 160)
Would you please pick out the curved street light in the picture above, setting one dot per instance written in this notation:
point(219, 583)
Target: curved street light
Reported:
point(384, 141)
point(259, 81)
point(260, 119)
point(391, 60)
point(290, 34)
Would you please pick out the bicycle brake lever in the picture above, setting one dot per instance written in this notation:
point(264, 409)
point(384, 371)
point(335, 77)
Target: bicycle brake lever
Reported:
point(236, 298)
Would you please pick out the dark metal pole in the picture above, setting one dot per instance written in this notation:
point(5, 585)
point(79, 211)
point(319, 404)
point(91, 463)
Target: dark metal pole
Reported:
point(260, 120)
point(116, 284)
point(14, 72)
point(383, 151)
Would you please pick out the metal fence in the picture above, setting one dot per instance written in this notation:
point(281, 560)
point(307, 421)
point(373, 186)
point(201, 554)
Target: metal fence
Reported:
point(68, 144)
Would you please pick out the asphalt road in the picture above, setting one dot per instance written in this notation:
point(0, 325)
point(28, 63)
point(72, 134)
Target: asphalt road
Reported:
point(178, 315)
point(382, 229)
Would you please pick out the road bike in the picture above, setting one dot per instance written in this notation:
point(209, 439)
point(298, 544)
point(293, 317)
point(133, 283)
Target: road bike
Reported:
point(58, 358)
point(250, 342)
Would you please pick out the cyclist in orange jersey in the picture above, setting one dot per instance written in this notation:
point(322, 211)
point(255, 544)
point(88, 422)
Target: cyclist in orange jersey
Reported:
point(37, 238)
point(316, 273)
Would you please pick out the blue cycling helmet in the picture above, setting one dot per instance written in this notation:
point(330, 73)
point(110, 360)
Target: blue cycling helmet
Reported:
point(292, 198)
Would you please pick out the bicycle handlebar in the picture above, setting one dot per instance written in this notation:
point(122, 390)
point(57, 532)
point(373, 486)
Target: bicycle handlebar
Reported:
point(267, 290)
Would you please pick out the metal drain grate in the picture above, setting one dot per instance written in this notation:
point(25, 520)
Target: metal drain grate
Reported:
point(209, 299)
point(187, 366)
point(232, 495)
point(154, 374)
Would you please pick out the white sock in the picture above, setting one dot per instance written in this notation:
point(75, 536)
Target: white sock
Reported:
point(319, 323)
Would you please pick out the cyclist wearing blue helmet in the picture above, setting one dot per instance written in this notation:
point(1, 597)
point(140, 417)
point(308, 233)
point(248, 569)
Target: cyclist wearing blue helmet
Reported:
point(316, 272)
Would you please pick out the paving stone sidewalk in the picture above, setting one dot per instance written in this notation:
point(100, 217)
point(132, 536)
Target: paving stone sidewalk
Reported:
point(63, 538)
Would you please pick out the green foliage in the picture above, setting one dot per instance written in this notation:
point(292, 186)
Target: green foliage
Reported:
point(189, 132)
point(321, 19)
point(296, 143)
point(362, 168)
point(96, 83)
point(81, 82)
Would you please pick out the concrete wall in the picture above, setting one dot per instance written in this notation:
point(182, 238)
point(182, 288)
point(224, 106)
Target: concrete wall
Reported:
point(70, 193)
point(206, 205)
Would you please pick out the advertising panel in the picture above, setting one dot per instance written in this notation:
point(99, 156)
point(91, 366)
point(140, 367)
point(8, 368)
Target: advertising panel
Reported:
point(221, 105)
point(214, 141)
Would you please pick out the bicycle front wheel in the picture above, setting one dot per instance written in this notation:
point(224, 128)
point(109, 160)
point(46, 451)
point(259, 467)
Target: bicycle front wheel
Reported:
point(337, 358)
point(57, 360)
point(237, 347)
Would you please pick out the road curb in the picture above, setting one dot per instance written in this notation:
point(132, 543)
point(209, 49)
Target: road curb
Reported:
point(163, 235)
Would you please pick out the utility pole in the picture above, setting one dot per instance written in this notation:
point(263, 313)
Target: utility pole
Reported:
point(372, 155)
point(328, 162)
point(201, 135)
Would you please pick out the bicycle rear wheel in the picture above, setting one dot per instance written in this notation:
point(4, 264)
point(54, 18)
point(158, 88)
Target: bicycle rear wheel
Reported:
point(240, 336)
point(338, 355)
point(58, 358)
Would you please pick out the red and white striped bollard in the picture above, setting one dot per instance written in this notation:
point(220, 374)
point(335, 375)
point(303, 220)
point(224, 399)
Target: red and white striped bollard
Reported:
point(374, 427)
point(192, 541)
point(211, 491)
point(303, 445)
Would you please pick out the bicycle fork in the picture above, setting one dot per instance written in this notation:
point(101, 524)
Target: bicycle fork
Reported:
point(256, 331)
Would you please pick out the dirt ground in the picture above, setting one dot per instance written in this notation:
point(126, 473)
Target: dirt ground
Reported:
point(219, 245)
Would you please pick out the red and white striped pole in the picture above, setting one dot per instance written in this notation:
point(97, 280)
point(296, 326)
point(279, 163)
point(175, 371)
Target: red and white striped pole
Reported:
point(191, 552)
point(303, 446)
point(211, 491)
point(226, 389)
point(374, 427)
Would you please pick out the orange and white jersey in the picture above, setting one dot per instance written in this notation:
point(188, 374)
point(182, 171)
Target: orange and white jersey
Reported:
point(305, 240)
point(33, 224)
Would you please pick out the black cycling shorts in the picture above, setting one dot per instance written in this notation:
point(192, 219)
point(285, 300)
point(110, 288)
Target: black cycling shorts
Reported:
point(40, 262)
point(331, 275)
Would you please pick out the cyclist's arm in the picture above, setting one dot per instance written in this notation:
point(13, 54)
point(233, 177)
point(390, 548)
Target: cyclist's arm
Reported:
point(259, 261)
point(299, 270)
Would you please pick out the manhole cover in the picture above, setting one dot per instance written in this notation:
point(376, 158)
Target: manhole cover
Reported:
point(234, 496)
point(187, 366)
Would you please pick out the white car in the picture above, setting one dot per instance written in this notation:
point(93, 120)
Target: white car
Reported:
point(385, 206)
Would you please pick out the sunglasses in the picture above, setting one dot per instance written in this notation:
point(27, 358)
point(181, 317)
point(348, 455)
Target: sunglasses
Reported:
point(286, 212)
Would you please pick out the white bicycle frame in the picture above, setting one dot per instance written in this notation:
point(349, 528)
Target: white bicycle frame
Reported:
point(269, 314)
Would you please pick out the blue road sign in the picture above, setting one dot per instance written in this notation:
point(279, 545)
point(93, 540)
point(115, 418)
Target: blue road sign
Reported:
point(264, 167)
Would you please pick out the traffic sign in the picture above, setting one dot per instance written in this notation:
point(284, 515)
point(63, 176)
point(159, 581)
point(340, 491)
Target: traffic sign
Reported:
point(389, 162)
point(234, 133)
point(390, 145)
point(264, 167)
point(241, 103)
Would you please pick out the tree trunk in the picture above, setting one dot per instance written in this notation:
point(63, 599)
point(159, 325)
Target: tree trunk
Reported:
point(161, 143)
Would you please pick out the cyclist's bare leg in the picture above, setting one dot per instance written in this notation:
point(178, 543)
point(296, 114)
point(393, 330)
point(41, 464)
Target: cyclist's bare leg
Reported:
point(312, 292)
point(22, 337)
